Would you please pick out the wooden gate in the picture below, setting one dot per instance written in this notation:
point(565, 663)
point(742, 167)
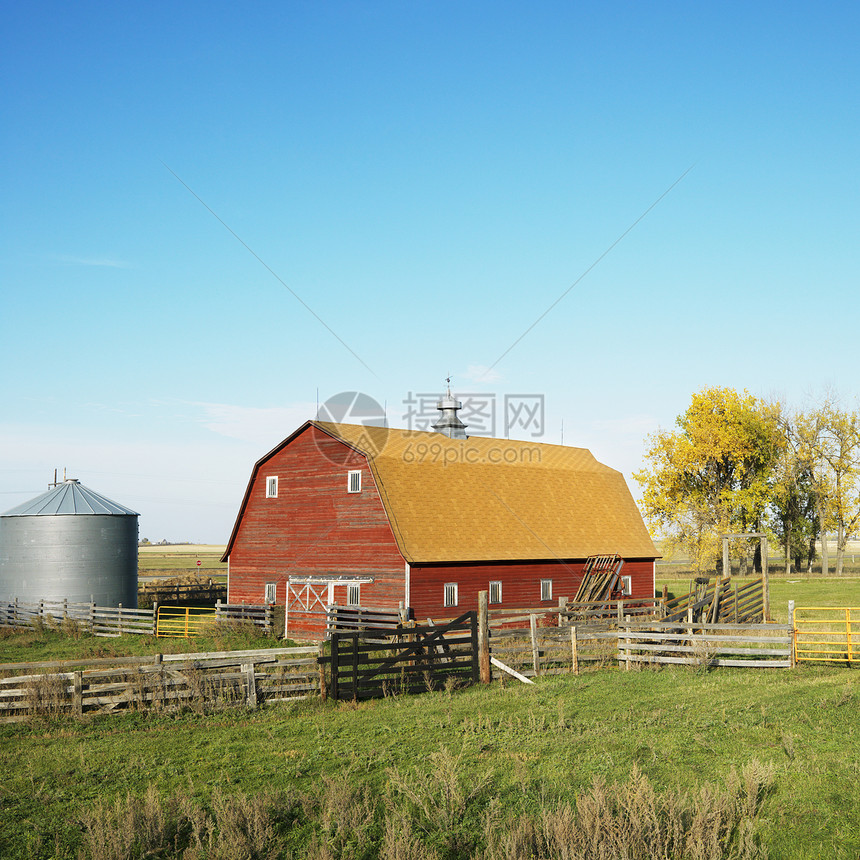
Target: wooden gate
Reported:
point(827, 634)
point(412, 660)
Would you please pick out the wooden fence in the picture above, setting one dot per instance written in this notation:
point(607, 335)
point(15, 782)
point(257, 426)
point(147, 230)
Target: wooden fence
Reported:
point(360, 618)
point(412, 660)
point(718, 601)
point(162, 682)
point(610, 611)
point(100, 620)
point(260, 615)
point(161, 592)
point(549, 650)
point(706, 645)
point(116, 620)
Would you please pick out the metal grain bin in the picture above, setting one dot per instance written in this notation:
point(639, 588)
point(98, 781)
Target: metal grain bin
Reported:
point(69, 543)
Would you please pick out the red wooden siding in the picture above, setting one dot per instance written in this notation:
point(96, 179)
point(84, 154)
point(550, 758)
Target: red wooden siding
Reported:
point(314, 526)
point(521, 583)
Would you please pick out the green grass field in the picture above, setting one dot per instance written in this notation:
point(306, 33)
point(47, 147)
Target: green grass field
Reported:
point(455, 771)
point(531, 748)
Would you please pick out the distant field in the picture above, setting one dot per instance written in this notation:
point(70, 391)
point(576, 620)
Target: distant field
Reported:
point(169, 561)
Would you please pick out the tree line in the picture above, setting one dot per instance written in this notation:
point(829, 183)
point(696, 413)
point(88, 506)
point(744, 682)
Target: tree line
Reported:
point(738, 464)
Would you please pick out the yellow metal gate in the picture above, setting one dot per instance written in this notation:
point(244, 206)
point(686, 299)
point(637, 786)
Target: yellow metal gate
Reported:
point(827, 634)
point(183, 621)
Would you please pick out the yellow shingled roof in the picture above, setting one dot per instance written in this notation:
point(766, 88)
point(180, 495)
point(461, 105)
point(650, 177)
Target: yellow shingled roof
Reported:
point(482, 499)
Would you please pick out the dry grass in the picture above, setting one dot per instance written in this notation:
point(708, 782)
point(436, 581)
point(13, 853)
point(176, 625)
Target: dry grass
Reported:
point(438, 815)
point(630, 820)
point(238, 827)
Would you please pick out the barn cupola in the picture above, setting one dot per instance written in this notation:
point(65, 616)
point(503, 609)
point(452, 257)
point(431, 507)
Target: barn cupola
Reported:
point(449, 424)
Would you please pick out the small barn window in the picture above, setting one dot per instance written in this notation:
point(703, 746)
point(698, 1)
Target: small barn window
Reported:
point(627, 585)
point(495, 592)
point(546, 589)
point(272, 487)
point(353, 595)
point(271, 592)
point(450, 594)
point(354, 482)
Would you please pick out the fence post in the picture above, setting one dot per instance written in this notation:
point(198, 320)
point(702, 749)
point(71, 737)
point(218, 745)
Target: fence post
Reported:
point(574, 653)
point(355, 667)
point(321, 664)
point(474, 647)
point(335, 647)
point(119, 618)
point(41, 610)
point(92, 614)
point(627, 643)
point(268, 621)
point(562, 605)
point(251, 682)
point(484, 638)
point(690, 622)
point(535, 651)
point(792, 633)
point(77, 694)
point(155, 617)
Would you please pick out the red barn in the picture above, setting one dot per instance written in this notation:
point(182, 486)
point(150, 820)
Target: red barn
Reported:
point(378, 517)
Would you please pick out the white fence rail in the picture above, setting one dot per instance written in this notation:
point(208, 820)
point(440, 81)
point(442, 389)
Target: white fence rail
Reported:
point(706, 645)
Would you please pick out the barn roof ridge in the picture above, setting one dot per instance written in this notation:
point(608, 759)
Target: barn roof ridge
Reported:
point(395, 442)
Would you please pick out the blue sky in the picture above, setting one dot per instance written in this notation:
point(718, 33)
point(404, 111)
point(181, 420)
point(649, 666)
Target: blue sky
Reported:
point(428, 178)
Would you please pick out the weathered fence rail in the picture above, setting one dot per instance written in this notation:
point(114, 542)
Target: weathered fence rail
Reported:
point(357, 618)
point(706, 645)
point(100, 620)
point(611, 611)
point(719, 601)
point(162, 682)
point(118, 620)
point(536, 650)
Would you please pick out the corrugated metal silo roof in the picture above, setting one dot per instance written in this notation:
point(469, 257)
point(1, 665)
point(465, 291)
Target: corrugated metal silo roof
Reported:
point(68, 499)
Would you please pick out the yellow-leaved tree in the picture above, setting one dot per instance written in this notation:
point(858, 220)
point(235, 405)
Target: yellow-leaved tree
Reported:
point(711, 476)
point(829, 443)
